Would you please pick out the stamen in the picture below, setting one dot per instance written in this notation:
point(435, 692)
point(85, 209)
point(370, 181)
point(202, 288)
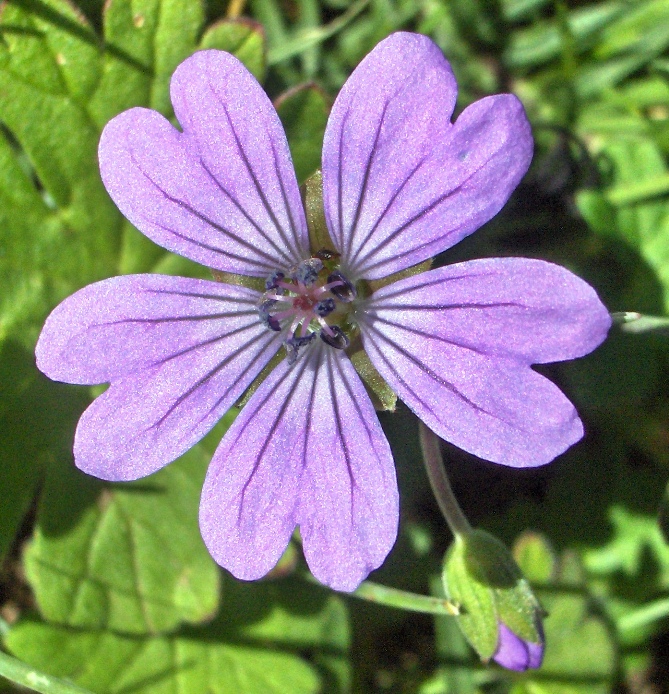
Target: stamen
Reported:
point(345, 291)
point(325, 307)
point(268, 320)
point(288, 313)
point(295, 324)
point(328, 287)
point(277, 297)
point(339, 340)
point(325, 327)
point(300, 301)
point(295, 344)
point(272, 282)
point(306, 272)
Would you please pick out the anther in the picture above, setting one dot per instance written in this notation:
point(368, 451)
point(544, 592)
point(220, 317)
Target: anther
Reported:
point(295, 344)
point(325, 307)
point(267, 319)
point(272, 282)
point(343, 289)
point(307, 271)
point(338, 339)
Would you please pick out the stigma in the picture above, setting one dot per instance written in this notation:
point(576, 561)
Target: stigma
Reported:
point(308, 302)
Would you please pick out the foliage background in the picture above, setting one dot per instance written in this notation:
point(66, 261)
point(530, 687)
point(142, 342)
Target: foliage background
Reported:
point(109, 585)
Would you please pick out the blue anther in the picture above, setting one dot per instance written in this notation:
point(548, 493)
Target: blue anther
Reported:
point(325, 307)
point(272, 282)
point(339, 340)
point(266, 318)
point(345, 291)
point(295, 344)
point(307, 271)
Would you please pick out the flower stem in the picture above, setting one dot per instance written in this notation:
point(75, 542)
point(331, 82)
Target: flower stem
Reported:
point(403, 600)
point(429, 443)
point(20, 673)
point(235, 8)
point(399, 599)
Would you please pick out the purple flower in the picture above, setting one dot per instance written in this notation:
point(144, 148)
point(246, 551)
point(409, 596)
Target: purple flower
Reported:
point(401, 183)
point(514, 653)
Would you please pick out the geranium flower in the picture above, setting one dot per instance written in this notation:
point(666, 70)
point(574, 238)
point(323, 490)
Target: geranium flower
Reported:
point(401, 183)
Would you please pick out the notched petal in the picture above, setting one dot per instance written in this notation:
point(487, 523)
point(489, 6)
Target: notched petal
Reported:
point(456, 345)
point(401, 183)
point(306, 450)
point(385, 120)
point(223, 192)
point(179, 352)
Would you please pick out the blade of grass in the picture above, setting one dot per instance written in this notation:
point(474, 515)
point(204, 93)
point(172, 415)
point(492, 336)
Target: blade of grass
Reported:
point(304, 40)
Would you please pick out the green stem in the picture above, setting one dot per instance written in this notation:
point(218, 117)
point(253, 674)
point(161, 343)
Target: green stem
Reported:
point(403, 600)
point(399, 599)
point(20, 673)
point(429, 443)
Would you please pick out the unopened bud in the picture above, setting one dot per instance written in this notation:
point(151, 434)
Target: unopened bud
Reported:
point(500, 616)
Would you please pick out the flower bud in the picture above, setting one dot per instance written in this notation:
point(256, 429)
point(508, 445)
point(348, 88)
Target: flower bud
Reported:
point(514, 653)
point(500, 616)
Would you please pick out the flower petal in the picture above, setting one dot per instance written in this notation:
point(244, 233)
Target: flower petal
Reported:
point(529, 310)
point(456, 345)
point(400, 182)
point(179, 353)
point(397, 102)
point(514, 653)
point(306, 450)
point(223, 192)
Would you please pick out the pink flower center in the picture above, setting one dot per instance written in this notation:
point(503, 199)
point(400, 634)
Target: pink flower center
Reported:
point(308, 302)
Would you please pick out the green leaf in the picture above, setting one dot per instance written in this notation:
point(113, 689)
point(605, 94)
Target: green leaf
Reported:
point(634, 535)
point(62, 229)
point(251, 647)
point(535, 557)
point(309, 38)
point(639, 172)
point(543, 41)
point(26, 295)
point(242, 37)
point(597, 211)
point(663, 516)
point(126, 557)
point(304, 114)
point(36, 418)
point(642, 28)
point(47, 69)
point(144, 42)
point(110, 663)
point(63, 154)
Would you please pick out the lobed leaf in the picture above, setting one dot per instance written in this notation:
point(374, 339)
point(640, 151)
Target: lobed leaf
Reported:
point(231, 655)
point(123, 557)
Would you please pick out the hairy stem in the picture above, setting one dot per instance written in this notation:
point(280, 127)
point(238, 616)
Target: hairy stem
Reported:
point(429, 443)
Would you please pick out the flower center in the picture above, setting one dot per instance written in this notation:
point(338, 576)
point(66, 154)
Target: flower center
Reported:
point(310, 301)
